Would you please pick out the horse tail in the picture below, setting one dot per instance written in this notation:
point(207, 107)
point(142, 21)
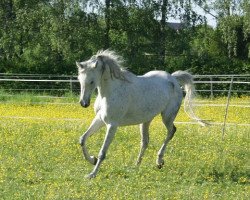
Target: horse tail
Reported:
point(186, 79)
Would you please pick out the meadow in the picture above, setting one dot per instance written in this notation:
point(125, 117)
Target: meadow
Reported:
point(41, 158)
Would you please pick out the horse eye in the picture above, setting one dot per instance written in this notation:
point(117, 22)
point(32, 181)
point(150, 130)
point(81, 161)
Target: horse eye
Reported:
point(92, 82)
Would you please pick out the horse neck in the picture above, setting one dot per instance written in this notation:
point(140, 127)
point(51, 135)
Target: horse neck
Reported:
point(105, 87)
point(108, 83)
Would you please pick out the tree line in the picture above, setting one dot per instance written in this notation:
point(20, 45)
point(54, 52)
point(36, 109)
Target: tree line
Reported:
point(48, 36)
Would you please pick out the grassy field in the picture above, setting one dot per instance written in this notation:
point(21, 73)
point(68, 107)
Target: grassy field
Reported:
point(41, 158)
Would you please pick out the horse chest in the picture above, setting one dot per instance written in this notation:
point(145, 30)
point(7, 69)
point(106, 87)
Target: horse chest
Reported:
point(110, 110)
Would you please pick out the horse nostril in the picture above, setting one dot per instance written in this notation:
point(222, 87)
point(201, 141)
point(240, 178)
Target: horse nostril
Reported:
point(84, 104)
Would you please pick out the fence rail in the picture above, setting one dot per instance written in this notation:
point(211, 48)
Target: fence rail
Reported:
point(205, 84)
point(68, 81)
point(38, 80)
point(53, 86)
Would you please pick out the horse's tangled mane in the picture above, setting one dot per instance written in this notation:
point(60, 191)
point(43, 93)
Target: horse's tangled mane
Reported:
point(114, 62)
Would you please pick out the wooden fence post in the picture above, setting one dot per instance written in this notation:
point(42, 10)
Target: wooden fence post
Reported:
point(227, 106)
point(211, 88)
point(71, 86)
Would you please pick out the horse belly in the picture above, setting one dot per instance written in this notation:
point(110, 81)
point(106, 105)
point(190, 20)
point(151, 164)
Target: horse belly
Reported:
point(130, 119)
point(145, 109)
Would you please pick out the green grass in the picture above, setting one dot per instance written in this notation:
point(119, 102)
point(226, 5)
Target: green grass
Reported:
point(35, 98)
point(41, 158)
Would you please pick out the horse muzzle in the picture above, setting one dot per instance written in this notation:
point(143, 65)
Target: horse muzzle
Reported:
point(85, 104)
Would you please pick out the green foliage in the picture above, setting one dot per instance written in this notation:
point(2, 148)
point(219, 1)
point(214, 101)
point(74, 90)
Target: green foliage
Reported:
point(49, 36)
point(210, 56)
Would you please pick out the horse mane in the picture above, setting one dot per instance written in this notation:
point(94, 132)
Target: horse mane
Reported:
point(114, 62)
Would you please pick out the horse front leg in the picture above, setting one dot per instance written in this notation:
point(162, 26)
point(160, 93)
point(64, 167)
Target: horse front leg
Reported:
point(111, 129)
point(144, 130)
point(96, 124)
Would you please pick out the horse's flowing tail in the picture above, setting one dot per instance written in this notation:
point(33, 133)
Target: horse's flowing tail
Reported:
point(186, 79)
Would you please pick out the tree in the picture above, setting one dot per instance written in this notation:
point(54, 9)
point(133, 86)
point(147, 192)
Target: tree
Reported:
point(107, 21)
point(246, 23)
point(163, 24)
point(233, 23)
point(48, 36)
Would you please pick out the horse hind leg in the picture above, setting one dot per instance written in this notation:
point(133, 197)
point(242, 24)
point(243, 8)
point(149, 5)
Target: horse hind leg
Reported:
point(168, 120)
point(144, 129)
point(160, 160)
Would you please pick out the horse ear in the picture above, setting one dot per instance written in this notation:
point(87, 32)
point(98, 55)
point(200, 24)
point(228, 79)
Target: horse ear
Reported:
point(99, 61)
point(79, 65)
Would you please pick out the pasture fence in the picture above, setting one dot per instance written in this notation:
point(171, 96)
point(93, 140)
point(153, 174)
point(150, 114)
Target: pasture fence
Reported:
point(56, 86)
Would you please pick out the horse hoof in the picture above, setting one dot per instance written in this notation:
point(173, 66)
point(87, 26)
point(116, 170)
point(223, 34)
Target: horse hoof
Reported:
point(160, 165)
point(90, 176)
point(94, 160)
point(138, 163)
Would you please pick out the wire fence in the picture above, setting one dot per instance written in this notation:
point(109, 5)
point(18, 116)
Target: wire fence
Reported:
point(218, 85)
point(58, 85)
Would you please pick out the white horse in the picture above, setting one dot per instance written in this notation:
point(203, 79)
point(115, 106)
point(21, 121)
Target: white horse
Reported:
point(126, 99)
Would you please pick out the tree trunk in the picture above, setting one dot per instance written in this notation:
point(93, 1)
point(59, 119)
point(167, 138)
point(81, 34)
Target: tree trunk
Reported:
point(107, 21)
point(162, 33)
point(9, 14)
point(229, 45)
